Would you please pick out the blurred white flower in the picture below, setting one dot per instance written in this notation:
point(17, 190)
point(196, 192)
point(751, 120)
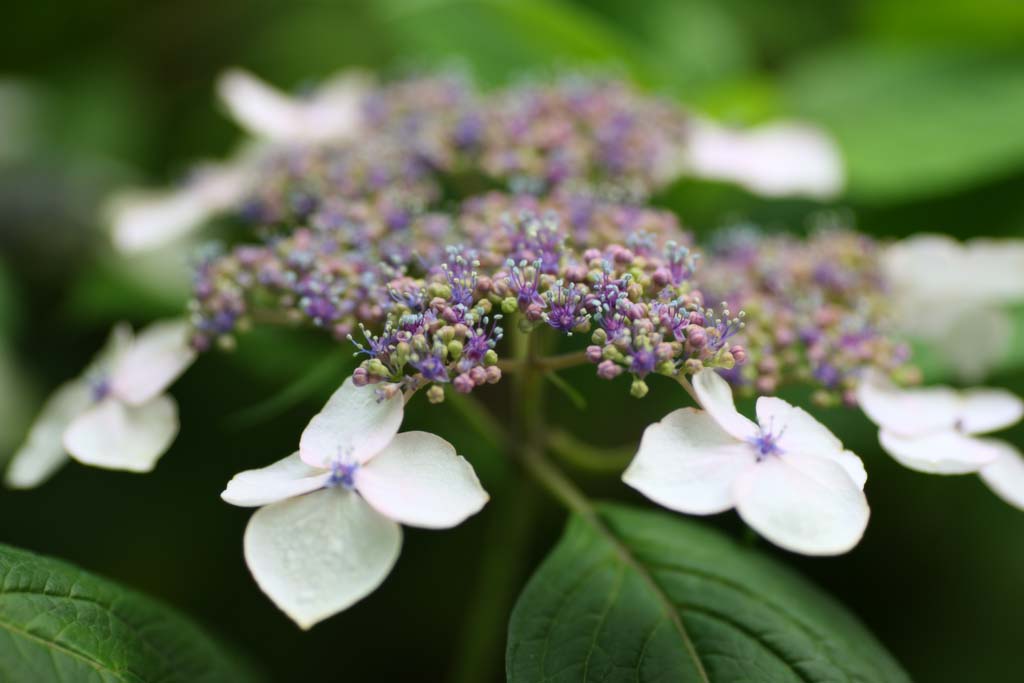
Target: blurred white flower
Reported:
point(333, 111)
point(115, 415)
point(943, 289)
point(936, 430)
point(141, 220)
point(329, 533)
point(780, 159)
point(787, 475)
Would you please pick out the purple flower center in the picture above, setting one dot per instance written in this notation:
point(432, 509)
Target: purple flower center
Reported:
point(766, 443)
point(100, 388)
point(343, 473)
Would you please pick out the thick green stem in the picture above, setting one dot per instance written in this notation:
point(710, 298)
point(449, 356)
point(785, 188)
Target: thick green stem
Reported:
point(503, 567)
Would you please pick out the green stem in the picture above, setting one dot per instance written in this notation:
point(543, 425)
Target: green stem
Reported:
point(502, 572)
point(685, 384)
point(549, 363)
point(584, 456)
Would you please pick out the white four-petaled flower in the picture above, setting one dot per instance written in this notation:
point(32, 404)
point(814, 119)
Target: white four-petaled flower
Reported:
point(787, 475)
point(115, 415)
point(329, 533)
point(936, 430)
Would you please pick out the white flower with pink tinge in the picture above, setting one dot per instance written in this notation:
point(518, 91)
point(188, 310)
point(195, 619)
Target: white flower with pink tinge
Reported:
point(115, 415)
point(787, 475)
point(937, 430)
point(327, 532)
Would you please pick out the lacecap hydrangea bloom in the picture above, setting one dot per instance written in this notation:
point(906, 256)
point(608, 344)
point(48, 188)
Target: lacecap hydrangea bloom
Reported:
point(446, 236)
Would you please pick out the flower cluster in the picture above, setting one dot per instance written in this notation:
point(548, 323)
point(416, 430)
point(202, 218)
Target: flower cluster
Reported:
point(818, 309)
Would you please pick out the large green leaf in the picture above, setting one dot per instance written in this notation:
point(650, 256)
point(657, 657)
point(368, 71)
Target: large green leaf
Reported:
point(502, 38)
point(635, 595)
point(915, 121)
point(59, 623)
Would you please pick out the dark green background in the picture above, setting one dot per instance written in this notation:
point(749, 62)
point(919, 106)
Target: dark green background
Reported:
point(926, 100)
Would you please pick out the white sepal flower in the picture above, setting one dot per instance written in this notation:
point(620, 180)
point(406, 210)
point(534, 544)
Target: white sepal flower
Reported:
point(332, 112)
point(329, 533)
point(141, 220)
point(941, 287)
point(938, 430)
point(787, 475)
point(779, 159)
point(115, 415)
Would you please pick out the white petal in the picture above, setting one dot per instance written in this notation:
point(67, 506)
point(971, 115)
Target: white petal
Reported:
point(795, 429)
point(353, 424)
point(117, 436)
point(775, 160)
point(43, 451)
point(989, 410)
point(332, 112)
point(945, 452)
point(715, 396)
point(804, 504)
point(118, 342)
point(688, 463)
point(420, 481)
point(159, 355)
point(144, 219)
point(854, 467)
point(907, 411)
point(260, 108)
point(284, 479)
point(1005, 474)
point(317, 554)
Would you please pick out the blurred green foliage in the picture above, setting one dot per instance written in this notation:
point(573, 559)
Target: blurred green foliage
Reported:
point(926, 100)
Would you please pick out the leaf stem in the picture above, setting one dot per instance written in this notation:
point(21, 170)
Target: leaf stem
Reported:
point(550, 363)
point(584, 456)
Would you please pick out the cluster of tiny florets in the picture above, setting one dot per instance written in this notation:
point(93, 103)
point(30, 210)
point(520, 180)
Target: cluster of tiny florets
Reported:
point(457, 213)
point(818, 309)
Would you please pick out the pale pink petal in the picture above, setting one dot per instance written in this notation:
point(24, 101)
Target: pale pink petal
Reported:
point(420, 481)
point(804, 504)
point(353, 425)
point(283, 479)
point(907, 411)
point(117, 436)
point(315, 555)
point(688, 463)
point(159, 355)
point(43, 452)
point(715, 396)
point(1005, 474)
point(989, 410)
point(945, 452)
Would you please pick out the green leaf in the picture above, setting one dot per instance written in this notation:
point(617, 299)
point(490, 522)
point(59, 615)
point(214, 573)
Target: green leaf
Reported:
point(501, 38)
point(634, 595)
point(914, 121)
point(59, 623)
